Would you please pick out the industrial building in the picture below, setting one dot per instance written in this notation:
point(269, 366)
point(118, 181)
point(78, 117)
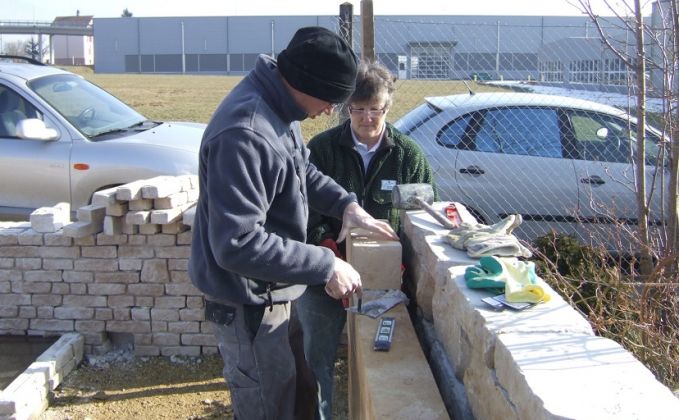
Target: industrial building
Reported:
point(420, 47)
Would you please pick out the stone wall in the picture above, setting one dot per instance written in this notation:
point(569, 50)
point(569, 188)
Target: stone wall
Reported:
point(137, 285)
point(541, 363)
point(116, 275)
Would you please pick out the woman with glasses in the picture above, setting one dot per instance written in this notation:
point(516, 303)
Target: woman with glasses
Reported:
point(367, 156)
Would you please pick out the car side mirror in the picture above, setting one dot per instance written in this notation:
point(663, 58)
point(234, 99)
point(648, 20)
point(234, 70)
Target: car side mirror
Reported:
point(35, 129)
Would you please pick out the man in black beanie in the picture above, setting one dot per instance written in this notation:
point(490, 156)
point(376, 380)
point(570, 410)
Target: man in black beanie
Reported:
point(248, 252)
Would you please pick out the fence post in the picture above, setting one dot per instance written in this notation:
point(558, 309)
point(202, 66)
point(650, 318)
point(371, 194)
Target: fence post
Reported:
point(346, 15)
point(368, 30)
point(346, 31)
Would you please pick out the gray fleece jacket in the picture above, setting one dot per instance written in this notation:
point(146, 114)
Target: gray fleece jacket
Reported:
point(256, 187)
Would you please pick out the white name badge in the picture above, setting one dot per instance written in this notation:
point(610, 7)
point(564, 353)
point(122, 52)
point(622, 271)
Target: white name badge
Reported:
point(388, 184)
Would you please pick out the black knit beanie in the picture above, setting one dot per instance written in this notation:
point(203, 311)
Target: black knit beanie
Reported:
point(319, 63)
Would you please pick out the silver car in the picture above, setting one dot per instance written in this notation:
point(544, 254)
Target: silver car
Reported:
point(63, 138)
point(562, 163)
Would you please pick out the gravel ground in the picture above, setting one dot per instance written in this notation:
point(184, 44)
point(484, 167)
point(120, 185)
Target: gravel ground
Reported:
point(120, 386)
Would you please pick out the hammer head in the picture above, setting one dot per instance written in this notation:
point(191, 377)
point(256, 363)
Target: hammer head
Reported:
point(404, 196)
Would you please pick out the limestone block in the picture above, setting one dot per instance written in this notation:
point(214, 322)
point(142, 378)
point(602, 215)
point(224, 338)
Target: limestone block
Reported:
point(129, 229)
point(189, 215)
point(149, 229)
point(51, 219)
point(171, 201)
point(487, 398)
point(436, 258)
point(397, 384)
point(597, 379)
point(113, 225)
point(377, 260)
point(161, 186)
point(140, 204)
point(82, 229)
point(174, 228)
point(119, 208)
point(139, 217)
point(468, 327)
point(93, 213)
point(167, 216)
point(130, 191)
point(105, 197)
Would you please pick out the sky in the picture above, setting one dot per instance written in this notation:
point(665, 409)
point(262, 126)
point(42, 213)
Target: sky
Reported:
point(47, 10)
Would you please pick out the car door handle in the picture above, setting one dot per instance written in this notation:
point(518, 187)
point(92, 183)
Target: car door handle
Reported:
point(594, 180)
point(472, 170)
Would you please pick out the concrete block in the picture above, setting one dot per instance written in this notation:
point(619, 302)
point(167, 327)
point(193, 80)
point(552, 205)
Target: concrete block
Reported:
point(161, 186)
point(82, 229)
point(171, 201)
point(174, 228)
point(93, 213)
point(189, 215)
point(140, 204)
point(163, 217)
point(50, 219)
point(149, 229)
point(139, 217)
point(130, 191)
point(105, 197)
point(118, 208)
point(113, 225)
point(30, 237)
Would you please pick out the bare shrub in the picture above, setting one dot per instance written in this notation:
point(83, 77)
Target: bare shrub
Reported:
point(643, 316)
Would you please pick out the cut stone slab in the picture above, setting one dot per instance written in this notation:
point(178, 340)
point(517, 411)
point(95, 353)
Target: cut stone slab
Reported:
point(597, 379)
point(397, 384)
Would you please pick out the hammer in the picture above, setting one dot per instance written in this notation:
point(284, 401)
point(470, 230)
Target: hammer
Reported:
point(418, 196)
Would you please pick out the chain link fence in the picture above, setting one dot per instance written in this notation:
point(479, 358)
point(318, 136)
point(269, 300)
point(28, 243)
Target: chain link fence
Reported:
point(500, 149)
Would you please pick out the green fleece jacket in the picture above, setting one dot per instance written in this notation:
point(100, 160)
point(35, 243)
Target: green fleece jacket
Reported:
point(399, 160)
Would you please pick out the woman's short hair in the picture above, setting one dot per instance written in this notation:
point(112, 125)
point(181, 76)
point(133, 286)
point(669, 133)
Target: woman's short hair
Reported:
point(373, 81)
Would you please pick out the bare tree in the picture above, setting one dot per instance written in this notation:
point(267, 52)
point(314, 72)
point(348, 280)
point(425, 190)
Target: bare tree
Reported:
point(13, 48)
point(631, 19)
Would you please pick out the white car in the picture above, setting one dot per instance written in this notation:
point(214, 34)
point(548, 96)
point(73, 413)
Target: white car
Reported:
point(63, 138)
point(562, 163)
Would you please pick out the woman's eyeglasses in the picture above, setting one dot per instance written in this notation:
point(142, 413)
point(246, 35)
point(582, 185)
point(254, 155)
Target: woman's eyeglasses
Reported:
point(373, 113)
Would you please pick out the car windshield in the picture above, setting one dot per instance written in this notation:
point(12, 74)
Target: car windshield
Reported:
point(90, 109)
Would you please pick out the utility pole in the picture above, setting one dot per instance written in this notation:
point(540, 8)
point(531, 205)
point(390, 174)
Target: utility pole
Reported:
point(368, 32)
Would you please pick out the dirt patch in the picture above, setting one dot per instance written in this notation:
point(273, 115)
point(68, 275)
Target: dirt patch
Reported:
point(120, 386)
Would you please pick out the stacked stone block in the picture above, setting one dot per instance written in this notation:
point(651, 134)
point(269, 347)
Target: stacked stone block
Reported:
point(95, 284)
point(541, 363)
point(144, 207)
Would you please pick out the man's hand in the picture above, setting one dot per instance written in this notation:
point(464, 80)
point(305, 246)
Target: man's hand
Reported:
point(344, 281)
point(355, 216)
